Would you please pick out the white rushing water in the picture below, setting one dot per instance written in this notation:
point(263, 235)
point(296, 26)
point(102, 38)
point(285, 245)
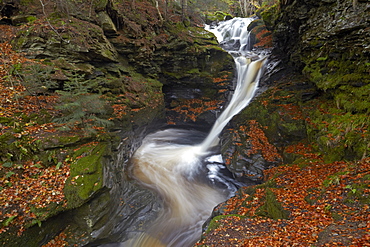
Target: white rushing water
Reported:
point(167, 164)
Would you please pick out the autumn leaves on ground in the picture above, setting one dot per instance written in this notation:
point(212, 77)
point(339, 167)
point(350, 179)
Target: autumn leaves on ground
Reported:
point(307, 204)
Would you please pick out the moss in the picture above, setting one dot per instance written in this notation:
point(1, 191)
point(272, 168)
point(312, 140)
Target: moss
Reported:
point(217, 16)
point(334, 179)
point(216, 221)
point(31, 18)
point(271, 183)
point(330, 73)
point(193, 71)
point(17, 149)
point(353, 99)
point(23, 37)
point(272, 208)
point(269, 15)
point(209, 92)
point(314, 72)
point(44, 213)
point(86, 176)
point(106, 52)
point(338, 135)
point(57, 141)
point(340, 71)
point(356, 191)
point(26, 2)
point(322, 58)
point(292, 127)
point(303, 162)
point(154, 83)
point(100, 5)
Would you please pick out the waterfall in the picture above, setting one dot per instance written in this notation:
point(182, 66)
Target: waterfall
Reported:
point(180, 168)
point(249, 67)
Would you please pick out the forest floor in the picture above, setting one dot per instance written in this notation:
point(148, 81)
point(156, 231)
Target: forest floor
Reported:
point(322, 204)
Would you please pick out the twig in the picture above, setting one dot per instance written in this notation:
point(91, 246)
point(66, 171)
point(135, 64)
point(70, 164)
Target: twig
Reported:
point(51, 26)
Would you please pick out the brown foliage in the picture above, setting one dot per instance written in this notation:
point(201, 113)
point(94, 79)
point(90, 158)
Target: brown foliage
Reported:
point(328, 205)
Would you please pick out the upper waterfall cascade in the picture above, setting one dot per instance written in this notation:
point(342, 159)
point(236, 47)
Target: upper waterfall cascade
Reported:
point(249, 68)
point(186, 177)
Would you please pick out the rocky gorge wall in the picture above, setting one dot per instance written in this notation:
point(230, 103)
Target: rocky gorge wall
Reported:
point(323, 47)
point(330, 46)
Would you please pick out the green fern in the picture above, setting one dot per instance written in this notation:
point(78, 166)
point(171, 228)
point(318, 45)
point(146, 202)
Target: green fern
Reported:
point(80, 108)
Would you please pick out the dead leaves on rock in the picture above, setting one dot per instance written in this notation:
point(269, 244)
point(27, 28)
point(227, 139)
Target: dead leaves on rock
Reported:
point(328, 205)
point(27, 187)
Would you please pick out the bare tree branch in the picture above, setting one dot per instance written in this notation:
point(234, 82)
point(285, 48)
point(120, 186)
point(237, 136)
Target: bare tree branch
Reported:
point(51, 26)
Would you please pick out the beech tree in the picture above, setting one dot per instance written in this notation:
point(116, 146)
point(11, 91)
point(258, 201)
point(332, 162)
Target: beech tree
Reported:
point(248, 7)
point(184, 9)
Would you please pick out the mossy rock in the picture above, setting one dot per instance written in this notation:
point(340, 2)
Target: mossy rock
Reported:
point(57, 141)
point(269, 15)
point(332, 73)
point(100, 5)
point(220, 16)
point(82, 42)
point(255, 25)
point(86, 175)
point(356, 191)
point(272, 208)
point(216, 16)
point(22, 19)
point(214, 224)
point(338, 135)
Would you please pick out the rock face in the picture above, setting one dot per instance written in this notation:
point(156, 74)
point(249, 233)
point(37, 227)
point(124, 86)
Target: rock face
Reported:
point(304, 28)
point(328, 43)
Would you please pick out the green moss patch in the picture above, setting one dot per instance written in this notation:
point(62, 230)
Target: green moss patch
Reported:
point(272, 207)
point(216, 222)
point(338, 135)
point(86, 176)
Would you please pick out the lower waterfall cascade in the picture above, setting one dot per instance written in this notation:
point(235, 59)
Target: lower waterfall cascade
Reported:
point(184, 171)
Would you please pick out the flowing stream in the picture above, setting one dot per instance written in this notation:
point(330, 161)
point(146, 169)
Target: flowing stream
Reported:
point(181, 165)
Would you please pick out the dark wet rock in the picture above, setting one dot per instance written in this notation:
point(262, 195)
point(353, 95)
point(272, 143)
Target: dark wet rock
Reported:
point(327, 41)
point(278, 114)
point(9, 8)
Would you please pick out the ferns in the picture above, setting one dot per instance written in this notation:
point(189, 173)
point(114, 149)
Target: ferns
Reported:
point(80, 108)
point(80, 105)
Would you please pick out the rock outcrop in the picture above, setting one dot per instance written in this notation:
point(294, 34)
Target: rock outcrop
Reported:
point(328, 41)
point(324, 53)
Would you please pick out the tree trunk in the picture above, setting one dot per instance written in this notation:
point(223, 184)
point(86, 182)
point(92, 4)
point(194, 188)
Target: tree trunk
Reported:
point(241, 7)
point(159, 12)
point(184, 9)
